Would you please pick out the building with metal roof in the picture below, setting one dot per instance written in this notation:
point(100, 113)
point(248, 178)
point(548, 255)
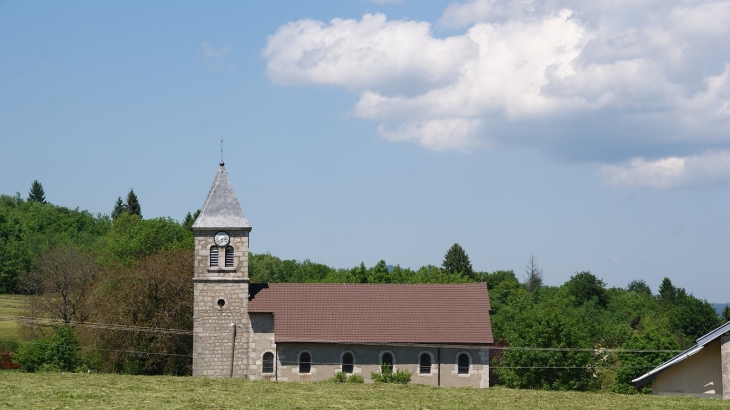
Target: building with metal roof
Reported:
point(703, 370)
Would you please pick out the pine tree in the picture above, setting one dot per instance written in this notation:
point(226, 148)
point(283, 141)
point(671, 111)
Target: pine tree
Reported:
point(132, 204)
point(457, 261)
point(36, 192)
point(190, 219)
point(119, 208)
point(667, 291)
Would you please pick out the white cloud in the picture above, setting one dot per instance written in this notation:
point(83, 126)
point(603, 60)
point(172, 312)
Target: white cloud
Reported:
point(642, 77)
point(670, 172)
point(438, 135)
point(211, 53)
point(369, 53)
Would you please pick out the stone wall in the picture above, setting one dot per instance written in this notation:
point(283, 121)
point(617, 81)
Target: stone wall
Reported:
point(327, 359)
point(220, 309)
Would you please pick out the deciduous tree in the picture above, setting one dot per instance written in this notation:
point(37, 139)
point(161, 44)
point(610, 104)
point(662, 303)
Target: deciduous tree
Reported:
point(639, 286)
point(62, 284)
point(584, 286)
point(155, 292)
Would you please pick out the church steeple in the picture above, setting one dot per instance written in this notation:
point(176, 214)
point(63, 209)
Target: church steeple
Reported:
point(221, 209)
point(220, 283)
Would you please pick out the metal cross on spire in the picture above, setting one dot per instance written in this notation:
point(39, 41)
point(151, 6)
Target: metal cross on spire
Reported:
point(222, 163)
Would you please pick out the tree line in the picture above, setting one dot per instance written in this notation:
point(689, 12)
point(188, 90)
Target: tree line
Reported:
point(129, 271)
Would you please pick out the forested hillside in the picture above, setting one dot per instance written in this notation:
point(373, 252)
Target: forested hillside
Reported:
point(102, 283)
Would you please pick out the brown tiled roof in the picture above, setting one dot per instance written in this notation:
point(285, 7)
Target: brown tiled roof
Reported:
point(375, 313)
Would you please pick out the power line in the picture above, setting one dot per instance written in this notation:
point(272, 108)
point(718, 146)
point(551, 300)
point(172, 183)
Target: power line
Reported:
point(100, 349)
point(108, 326)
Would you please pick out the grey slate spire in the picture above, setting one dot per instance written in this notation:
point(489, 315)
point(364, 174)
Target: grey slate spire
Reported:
point(221, 209)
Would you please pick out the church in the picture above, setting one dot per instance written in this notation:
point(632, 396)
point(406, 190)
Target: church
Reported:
point(440, 333)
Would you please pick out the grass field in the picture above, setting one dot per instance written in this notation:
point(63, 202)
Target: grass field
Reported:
point(10, 305)
point(67, 390)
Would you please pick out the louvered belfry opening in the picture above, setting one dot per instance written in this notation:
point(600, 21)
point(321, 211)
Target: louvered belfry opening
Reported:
point(229, 256)
point(213, 256)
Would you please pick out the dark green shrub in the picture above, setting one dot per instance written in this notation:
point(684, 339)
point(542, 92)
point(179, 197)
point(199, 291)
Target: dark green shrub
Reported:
point(31, 356)
point(402, 376)
point(355, 378)
point(386, 375)
point(57, 354)
point(62, 350)
point(340, 377)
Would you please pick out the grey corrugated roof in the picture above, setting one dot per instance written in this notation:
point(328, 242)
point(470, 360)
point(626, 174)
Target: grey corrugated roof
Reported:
point(701, 342)
point(221, 208)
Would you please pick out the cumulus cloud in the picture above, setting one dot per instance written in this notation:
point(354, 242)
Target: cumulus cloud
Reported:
point(647, 78)
point(366, 54)
point(670, 172)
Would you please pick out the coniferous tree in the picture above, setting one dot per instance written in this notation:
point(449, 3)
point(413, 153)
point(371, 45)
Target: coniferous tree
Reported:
point(119, 208)
point(533, 280)
point(190, 219)
point(36, 193)
point(667, 291)
point(725, 313)
point(457, 261)
point(132, 204)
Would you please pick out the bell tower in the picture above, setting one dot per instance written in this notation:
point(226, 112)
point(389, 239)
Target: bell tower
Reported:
point(220, 319)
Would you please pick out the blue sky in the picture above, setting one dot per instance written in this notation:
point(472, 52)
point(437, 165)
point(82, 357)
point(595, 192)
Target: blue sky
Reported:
point(594, 136)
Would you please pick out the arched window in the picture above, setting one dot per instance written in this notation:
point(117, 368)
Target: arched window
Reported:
point(268, 366)
point(463, 363)
point(213, 256)
point(305, 363)
point(229, 256)
point(348, 362)
point(386, 360)
point(424, 364)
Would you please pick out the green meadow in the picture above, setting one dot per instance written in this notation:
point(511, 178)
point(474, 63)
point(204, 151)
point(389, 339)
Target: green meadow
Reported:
point(111, 391)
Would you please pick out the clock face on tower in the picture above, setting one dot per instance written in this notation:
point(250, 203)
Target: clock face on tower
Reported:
point(221, 238)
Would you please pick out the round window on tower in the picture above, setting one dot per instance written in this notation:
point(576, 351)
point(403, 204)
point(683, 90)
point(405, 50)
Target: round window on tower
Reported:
point(221, 303)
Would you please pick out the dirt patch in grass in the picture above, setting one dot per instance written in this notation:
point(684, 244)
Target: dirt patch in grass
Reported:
point(66, 390)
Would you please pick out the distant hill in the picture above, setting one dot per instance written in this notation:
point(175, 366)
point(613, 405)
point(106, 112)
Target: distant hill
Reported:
point(719, 306)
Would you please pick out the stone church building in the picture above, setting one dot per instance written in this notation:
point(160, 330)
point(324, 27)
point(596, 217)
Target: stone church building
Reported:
point(441, 333)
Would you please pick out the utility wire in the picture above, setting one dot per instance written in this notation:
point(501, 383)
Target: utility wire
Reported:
point(108, 326)
point(100, 349)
